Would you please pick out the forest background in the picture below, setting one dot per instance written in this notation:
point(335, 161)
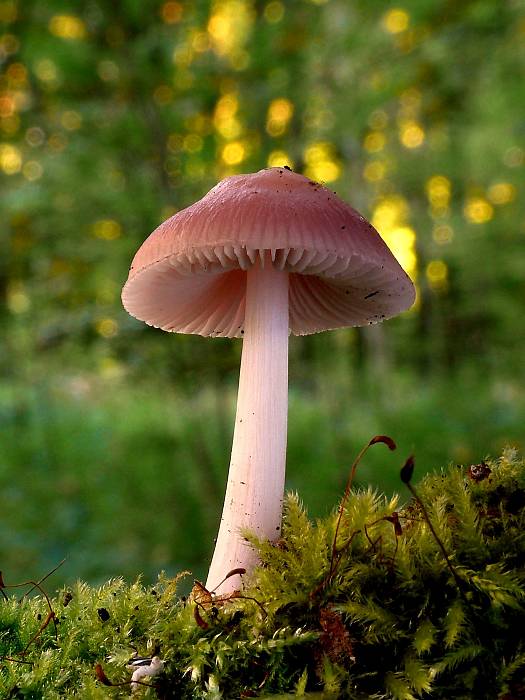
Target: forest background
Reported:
point(115, 437)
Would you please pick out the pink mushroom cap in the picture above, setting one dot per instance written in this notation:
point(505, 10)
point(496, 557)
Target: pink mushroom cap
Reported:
point(189, 276)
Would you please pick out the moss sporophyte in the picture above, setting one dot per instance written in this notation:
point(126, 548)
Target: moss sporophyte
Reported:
point(383, 598)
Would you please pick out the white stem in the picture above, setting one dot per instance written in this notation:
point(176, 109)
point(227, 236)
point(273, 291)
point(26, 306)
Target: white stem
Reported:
point(254, 495)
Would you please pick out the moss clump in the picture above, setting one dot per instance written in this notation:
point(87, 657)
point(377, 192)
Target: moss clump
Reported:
point(379, 613)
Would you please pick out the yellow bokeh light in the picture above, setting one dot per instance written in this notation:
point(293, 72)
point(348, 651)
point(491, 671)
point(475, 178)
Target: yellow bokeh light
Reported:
point(225, 120)
point(18, 301)
point(501, 193)
point(375, 141)
point(389, 218)
point(437, 273)
point(321, 163)
point(233, 153)
point(402, 241)
point(390, 213)
point(107, 327)
point(280, 110)
point(438, 189)
point(478, 210)
point(32, 170)
point(171, 12)
point(71, 120)
point(279, 114)
point(278, 159)
point(226, 106)
point(374, 171)
point(396, 20)
point(10, 159)
point(67, 27)
point(46, 70)
point(274, 12)
point(324, 171)
point(107, 229)
point(229, 26)
point(443, 234)
point(411, 134)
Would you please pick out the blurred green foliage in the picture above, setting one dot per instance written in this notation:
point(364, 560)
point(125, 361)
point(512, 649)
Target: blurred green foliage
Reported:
point(115, 115)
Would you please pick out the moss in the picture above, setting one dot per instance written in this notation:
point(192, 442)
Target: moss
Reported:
point(379, 613)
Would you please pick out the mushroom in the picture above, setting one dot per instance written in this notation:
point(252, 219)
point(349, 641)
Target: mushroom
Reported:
point(258, 257)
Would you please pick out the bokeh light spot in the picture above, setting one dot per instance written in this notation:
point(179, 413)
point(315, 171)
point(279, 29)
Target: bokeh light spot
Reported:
point(233, 153)
point(67, 27)
point(107, 229)
point(411, 134)
point(437, 273)
point(107, 327)
point(501, 193)
point(278, 159)
point(32, 170)
point(321, 162)
point(374, 171)
point(35, 136)
point(71, 120)
point(374, 141)
point(273, 12)
point(396, 20)
point(443, 234)
point(46, 70)
point(192, 143)
point(478, 210)
point(279, 114)
point(10, 159)
point(18, 301)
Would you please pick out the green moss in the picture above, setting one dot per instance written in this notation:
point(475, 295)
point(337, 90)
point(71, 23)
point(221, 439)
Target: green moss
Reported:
point(380, 615)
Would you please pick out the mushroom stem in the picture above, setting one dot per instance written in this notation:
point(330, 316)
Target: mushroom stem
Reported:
point(254, 494)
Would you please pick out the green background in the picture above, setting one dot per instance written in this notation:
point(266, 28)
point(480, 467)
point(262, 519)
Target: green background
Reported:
point(114, 437)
